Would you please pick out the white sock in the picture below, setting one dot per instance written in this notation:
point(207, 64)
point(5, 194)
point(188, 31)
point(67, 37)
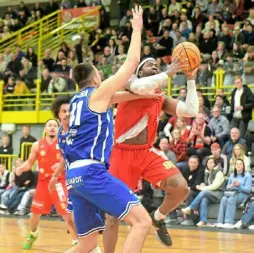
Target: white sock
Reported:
point(158, 215)
point(97, 250)
point(74, 242)
point(35, 233)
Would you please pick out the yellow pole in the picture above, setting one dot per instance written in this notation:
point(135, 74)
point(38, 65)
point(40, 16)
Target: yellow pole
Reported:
point(1, 98)
point(222, 78)
point(37, 102)
point(169, 86)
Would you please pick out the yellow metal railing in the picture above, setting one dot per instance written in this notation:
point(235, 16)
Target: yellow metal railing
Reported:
point(7, 160)
point(25, 150)
point(52, 39)
point(30, 34)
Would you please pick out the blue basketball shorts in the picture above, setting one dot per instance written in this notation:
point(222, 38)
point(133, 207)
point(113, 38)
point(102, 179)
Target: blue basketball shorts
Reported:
point(92, 189)
point(69, 207)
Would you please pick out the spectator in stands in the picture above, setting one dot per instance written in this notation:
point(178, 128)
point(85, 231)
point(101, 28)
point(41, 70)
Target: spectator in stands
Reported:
point(242, 103)
point(121, 57)
point(194, 174)
point(221, 50)
point(51, 7)
point(23, 18)
point(248, 70)
point(178, 38)
point(202, 4)
point(48, 60)
point(219, 126)
point(174, 6)
point(224, 108)
point(20, 87)
point(198, 17)
point(239, 153)
point(45, 80)
point(3, 65)
point(235, 138)
point(185, 31)
point(215, 8)
point(63, 68)
point(182, 94)
point(65, 4)
point(108, 55)
point(237, 190)
point(238, 10)
point(226, 38)
point(22, 182)
point(164, 147)
point(178, 146)
point(221, 160)
point(14, 66)
point(6, 149)
point(221, 93)
point(206, 45)
point(147, 52)
point(247, 218)
point(202, 108)
point(26, 138)
point(64, 48)
point(24, 8)
point(10, 85)
point(4, 179)
point(57, 84)
point(32, 56)
point(165, 45)
point(211, 191)
point(105, 67)
point(199, 139)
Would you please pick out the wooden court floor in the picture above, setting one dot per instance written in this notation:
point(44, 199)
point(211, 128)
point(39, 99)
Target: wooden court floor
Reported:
point(53, 238)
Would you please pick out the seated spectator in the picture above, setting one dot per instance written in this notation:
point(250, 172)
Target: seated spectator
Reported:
point(219, 92)
point(242, 103)
point(22, 183)
point(65, 49)
point(14, 66)
point(72, 60)
point(57, 84)
point(164, 147)
point(108, 55)
point(178, 146)
point(48, 60)
point(63, 68)
point(121, 57)
point(202, 4)
point(32, 56)
point(182, 123)
point(214, 8)
point(179, 38)
point(247, 218)
point(45, 80)
point(174, 6)
point(234, 139)
point(105, 67)
point(206, 100)
point(211, 191)
point(3, 64)
point(219, 126)
point(4, 179)
point(221, 160)
point(199, 139)
point(182, 94)
point(237, 190)
point(238, 10)
point(20, 87)
point(221, 51)
point(165, 45)
point(239, 153)
point(6, 149)
point(224, 108)
point(10, 85)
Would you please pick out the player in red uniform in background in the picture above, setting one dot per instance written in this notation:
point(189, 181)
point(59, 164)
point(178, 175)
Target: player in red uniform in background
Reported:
point(134, 157)
point(48, 154)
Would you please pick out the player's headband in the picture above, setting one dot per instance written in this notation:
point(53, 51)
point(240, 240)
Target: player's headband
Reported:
point(142, 63)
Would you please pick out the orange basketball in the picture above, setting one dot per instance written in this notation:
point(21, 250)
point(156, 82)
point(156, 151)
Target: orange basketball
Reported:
point(192, 53)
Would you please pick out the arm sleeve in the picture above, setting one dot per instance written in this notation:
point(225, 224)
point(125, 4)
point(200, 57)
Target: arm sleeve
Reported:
point(217, 182)
point(146, 85)
point(189, 108)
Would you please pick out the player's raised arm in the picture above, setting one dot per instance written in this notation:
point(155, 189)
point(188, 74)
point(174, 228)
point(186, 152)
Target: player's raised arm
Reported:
point(118, 81)
point(189, 108)
point(28, 164)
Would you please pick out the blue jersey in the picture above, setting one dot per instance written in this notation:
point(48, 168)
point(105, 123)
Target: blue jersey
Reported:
point(62, 142)
point(90, 134)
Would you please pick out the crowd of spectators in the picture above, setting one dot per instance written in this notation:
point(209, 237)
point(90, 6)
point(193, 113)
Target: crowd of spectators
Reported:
point(211, 150)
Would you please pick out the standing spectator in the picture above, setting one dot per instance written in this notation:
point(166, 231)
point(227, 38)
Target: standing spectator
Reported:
point(4, 179)
point(219, 126)
point(26, 137)
point(238, 189)
point(200, 138)
point(242, 103)
point(211, 191)
point(234, 139)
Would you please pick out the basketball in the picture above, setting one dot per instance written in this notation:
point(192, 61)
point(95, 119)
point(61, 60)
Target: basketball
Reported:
point(191, 51)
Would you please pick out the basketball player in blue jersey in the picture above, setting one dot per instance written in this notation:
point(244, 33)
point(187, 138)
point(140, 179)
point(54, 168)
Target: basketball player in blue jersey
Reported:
point(87, 149)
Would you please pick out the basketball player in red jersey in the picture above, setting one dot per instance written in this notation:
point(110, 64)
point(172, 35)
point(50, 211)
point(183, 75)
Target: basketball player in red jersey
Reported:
point(134, 156)
point(48, 154)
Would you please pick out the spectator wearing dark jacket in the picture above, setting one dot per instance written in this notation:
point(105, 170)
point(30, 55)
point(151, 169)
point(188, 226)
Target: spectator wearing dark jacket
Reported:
point(242, 103)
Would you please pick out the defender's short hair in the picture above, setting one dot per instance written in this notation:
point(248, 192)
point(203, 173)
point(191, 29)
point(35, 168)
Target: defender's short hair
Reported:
point(83, 73)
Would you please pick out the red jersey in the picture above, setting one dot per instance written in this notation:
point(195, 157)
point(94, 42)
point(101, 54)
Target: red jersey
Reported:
point(129, 115)
point(48, 155)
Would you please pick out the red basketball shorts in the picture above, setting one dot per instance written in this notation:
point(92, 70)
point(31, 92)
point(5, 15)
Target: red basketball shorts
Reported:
point(129, 163)
point(43, 199)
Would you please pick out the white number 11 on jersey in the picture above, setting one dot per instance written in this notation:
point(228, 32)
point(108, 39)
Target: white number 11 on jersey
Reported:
point(76, 113)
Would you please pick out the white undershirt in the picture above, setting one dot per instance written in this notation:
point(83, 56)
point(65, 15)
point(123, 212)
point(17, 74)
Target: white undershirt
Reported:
point(237, 100)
